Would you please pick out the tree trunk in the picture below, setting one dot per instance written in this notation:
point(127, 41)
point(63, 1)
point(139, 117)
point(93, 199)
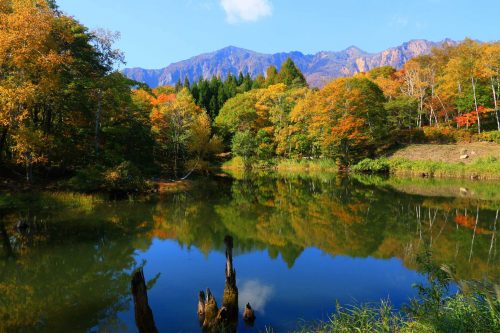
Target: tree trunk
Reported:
point(175, 160)
point(98, 121)
point(29, 166)
point(230, 296)
point(421, 110)
point(475, 104)
point(48, 120)
point(143, 315)
point(3, 139)
point(495, 102)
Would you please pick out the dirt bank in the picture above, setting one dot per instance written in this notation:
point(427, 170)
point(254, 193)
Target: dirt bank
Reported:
point(450, 153)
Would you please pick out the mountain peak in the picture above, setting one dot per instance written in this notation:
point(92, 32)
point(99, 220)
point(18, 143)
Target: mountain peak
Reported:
point(318, 69)
point(354, 48)
point(354, 51)
point(233, 49)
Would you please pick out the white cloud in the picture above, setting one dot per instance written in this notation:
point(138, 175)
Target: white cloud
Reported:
point(398, 21)
point(246, 10)
point(255, 293)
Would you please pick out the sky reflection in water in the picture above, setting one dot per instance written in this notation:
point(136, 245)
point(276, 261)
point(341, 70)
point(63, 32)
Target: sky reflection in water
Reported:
point(301, 244)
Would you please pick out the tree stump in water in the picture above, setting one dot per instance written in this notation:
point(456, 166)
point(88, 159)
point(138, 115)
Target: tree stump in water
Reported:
point(248, 315)
point(211, 312)
point(230, 297)
point(143, 315)
point(201, 307)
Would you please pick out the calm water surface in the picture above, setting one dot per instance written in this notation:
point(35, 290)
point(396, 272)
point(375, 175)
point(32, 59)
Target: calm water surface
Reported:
point(301, 243)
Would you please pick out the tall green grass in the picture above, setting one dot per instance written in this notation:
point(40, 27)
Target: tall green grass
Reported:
point(474, 308)
point(285, 165)
point(316, 165)
point(51, 200)
point(486, 168)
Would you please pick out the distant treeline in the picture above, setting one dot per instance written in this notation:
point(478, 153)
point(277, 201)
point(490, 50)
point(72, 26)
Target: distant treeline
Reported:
point(212, 94)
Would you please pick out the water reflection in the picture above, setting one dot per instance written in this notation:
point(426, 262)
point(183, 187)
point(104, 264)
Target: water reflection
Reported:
point(61, 274)
point(71, 267)
point(256, 293)
point(340, 217)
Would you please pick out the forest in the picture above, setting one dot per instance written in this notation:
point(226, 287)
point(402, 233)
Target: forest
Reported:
point(67, 112)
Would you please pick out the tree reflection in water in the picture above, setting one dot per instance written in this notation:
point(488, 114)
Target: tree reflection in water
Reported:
point(70, 266)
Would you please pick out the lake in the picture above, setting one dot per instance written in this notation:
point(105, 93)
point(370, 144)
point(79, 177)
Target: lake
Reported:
point(301, 244)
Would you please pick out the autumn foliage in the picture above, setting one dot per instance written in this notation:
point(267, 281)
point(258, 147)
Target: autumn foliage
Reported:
point(65, 109)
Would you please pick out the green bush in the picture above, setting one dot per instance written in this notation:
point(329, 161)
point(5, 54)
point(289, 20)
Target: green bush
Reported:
point(244, 146)
point(442, 135)
point(490, 136)
point(124, 177)
point(368, 165)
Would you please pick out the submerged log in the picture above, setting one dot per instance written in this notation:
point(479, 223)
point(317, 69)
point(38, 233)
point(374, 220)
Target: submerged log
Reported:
point(143, 315)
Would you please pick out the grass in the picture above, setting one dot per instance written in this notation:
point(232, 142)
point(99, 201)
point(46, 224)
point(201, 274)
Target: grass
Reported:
point(51, 200)
point(457, 314)
point(316, 165)
point(364, 318)
point(485, 168)
point(487, 192)
point(288, 165)
point(475, 308)
point(235, 163)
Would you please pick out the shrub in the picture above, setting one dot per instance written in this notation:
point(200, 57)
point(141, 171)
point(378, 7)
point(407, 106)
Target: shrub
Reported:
point(244, 145)
point(125, 177)
point(490, 137)
point(368, 165)
point(443, 135)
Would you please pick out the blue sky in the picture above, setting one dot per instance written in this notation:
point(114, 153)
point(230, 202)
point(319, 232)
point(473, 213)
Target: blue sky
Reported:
point(155, 33)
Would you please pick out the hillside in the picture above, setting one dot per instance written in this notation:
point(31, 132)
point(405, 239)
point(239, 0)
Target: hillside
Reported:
point(450, 153)
point(318, 69)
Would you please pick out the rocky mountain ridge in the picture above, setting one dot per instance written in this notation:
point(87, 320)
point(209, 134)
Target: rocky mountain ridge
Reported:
point(318, 69)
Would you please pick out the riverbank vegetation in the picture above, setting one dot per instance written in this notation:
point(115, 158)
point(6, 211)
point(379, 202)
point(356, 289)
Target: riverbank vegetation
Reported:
point(488, 168)
point(67, 112)
point(474, 308)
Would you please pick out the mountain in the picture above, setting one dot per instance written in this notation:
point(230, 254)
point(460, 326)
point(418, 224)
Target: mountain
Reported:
point(318, 69)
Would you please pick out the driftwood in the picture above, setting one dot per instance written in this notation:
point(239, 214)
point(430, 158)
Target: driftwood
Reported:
point(143, 314)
